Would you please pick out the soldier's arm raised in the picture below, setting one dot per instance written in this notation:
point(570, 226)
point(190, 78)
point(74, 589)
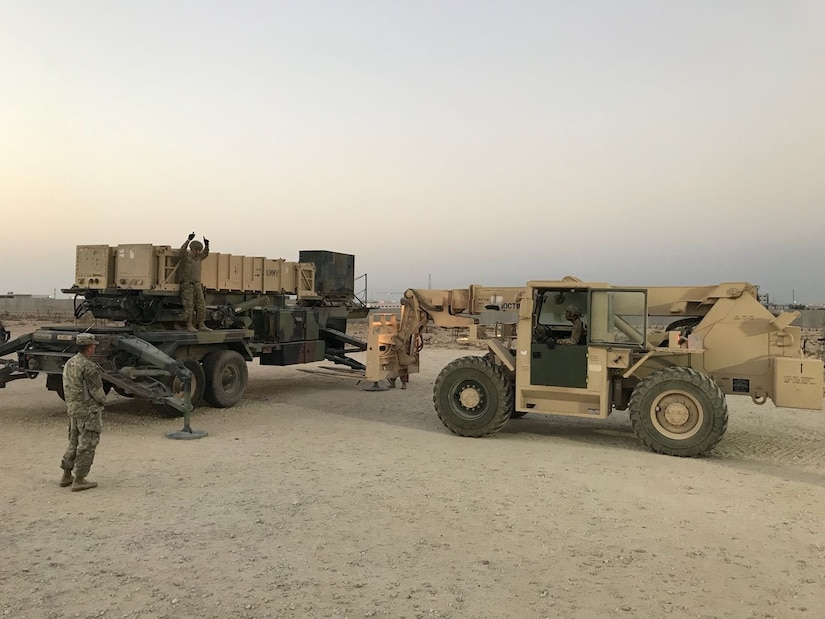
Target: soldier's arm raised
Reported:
point(205, 248)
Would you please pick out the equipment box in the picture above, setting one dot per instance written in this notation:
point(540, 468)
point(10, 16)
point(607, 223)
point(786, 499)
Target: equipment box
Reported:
point(230, 272)
point(135, 266)
point(94, 267)
point(797, 383)
point(253, 274)
point(334, 272)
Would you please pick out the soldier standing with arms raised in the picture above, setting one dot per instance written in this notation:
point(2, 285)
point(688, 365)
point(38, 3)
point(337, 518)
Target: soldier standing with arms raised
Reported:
point(83, 390)
point(190, 256)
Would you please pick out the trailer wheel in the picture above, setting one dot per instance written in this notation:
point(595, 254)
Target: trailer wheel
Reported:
point(196, 393)
point(679, 412)
point(226, 378)
point(473, 397)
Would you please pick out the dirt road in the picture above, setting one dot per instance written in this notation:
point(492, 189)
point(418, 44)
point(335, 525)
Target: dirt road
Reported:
point(313, 498)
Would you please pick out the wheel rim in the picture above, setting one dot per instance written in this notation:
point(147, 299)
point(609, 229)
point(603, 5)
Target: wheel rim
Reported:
point(677, 415)
point(469, 399)
point(177, 387)
point(229, 379)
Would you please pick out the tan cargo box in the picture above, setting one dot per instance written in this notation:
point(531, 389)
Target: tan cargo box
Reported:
point(230, 272)
point(253, 274)
point(135, 266)
point(94, 267)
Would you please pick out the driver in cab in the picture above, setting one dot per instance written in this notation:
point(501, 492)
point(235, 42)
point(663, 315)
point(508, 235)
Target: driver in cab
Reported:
point(574, 315)
point(577, 335)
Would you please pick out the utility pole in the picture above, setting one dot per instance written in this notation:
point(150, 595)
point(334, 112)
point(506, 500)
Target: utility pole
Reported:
point(430, 281)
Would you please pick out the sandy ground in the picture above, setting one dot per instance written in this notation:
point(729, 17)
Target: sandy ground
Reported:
point(313, 498)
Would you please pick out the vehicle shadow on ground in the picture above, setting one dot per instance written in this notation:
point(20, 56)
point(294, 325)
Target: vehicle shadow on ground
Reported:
point(305, 386)
point(612, 432)
point(780, 470)
point(780, 455)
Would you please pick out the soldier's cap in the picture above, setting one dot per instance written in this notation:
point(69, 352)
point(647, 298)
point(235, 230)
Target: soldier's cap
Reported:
point(196, 245)
point(573, 310)
point(85, 339)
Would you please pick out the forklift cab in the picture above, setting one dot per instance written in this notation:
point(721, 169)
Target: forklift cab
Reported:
point(615, 318)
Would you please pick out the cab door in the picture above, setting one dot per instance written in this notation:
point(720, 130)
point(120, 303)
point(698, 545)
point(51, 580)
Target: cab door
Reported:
point(613, 317)
point(553, 365)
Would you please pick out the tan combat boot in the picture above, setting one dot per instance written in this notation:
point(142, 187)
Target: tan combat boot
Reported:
point(191, 327)
point(81, 483)
point(202, 327)
point(67, 479)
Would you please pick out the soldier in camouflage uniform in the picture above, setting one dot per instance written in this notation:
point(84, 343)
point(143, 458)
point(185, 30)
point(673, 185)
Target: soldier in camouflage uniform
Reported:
point(83, 389)
point(190, 256)
point(578, 334)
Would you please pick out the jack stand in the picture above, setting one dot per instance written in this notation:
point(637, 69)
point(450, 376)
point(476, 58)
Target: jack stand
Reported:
point(375, 387)
point(187, 433)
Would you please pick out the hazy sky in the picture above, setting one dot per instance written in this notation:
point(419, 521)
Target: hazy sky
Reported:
point(634, 142)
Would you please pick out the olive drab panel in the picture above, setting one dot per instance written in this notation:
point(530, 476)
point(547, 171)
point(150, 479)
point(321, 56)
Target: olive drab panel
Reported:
point(334, 272)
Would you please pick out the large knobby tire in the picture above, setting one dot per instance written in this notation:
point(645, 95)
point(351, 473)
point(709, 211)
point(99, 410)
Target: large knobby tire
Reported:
point(226, 378)
point(196, 391)
point(679, 412)
point(490, 357)
point(473, 396)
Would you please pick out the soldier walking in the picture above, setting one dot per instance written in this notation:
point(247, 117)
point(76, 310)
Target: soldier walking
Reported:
point(190, 256)
point(83, 390)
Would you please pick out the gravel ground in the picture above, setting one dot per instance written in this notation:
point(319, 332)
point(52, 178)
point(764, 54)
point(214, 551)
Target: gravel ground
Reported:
point(313, 498)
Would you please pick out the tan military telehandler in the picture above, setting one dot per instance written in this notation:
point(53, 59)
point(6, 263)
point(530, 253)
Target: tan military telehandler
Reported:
point(713, 341)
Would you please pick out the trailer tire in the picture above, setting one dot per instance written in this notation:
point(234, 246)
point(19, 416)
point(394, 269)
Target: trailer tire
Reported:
point(679, 412)
point(226, 378)
point(473, 397)
point(196, 395)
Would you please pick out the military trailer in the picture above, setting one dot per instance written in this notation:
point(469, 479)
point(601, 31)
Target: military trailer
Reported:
point(716, 341)
point(276, 311)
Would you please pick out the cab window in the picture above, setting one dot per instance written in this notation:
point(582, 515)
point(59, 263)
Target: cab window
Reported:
point(618, 318)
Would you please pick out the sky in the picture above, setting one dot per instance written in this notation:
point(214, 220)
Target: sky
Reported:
point(441, 142)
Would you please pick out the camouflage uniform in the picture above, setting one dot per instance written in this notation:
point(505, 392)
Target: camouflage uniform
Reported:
point(191, 289)
point(83, 389)
point(578, 328)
